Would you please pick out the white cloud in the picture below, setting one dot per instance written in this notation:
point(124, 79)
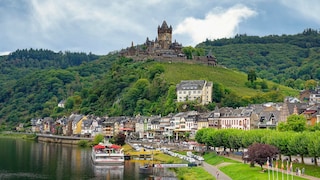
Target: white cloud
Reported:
point(218, 23)
point(101, 26)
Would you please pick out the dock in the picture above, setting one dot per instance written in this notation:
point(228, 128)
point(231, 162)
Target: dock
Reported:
point(142, 154)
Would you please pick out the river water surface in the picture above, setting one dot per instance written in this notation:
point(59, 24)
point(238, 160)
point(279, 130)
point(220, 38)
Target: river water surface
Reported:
point(26, 160)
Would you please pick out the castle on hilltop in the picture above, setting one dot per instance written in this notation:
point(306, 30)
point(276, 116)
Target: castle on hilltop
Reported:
point(163, 49)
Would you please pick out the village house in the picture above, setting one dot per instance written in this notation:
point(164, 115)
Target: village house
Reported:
point(234, 118)
point(61, 103)
point(202, 121)
point(36, 125)
point(315, 96)
point(140, 127)
point(213, 118)
point(180, 126)
point(96, 126)
point(86, 127)
point(312, 114)
point(269, 116)
point(76, 122)
point(127, 126)
point(48, 125)
point(166, 128)
point(183, 123)
point(194, 90)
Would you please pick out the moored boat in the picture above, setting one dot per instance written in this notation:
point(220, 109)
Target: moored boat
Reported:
point(146, 169)
point(108, 154)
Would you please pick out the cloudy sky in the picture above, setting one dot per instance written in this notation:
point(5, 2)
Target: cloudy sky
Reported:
point(102, 26)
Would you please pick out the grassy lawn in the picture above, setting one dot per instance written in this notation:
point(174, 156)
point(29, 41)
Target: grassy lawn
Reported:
point(127, 148)
point(191, 173)
point(166, 159)
point(231, 79)
point(239, 171)
point(310, 170)
point(215, 160)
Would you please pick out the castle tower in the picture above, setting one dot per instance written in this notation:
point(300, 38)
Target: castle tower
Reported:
point(164, 35)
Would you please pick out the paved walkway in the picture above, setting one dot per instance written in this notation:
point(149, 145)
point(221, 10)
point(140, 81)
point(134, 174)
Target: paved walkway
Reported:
point(214, 170)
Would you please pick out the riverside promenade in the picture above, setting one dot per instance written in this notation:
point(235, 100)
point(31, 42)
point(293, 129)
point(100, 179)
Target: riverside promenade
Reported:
point(214, 169)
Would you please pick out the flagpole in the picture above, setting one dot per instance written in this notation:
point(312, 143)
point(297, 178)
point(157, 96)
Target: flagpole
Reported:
point(277, 169)
point(272, 167)
point(288, 170)
point(291, 168)
point(268, 168)
point(282, 169)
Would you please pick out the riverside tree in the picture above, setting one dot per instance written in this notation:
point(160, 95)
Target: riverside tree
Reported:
point(259, 153)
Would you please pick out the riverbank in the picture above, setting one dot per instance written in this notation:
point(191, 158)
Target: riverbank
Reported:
point(26, 136)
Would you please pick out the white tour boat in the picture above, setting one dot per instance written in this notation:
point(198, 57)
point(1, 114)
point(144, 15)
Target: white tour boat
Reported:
point(109, 154)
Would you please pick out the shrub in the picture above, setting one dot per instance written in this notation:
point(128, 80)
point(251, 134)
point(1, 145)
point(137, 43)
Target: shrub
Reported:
point(83, 143)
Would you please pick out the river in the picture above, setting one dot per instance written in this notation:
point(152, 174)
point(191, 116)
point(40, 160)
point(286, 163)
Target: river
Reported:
point(29, 160)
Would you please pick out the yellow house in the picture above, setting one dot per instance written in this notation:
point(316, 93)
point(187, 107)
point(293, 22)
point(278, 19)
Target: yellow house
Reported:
point(76, 123)
point(203, 123)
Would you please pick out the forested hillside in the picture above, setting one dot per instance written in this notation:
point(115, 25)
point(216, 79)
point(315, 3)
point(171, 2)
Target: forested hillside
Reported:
point(117, 86)
point(33, 82)
point(287, 59)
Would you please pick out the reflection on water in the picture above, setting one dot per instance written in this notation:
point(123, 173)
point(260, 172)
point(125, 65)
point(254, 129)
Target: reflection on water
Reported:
point(20, 159)
point(110, 172)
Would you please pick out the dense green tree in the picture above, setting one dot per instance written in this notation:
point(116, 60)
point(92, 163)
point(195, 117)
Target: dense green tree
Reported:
point(219, 92)
point(314, 145)
point(232, 100)
point(99, 138)
point(311, 84)
point(120, 139)
point(295, 123)
point(188, 51)
point(252, 76)
point(170, 105)
point(298, 144)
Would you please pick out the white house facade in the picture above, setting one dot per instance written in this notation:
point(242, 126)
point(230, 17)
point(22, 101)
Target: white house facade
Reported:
point(194, 90)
